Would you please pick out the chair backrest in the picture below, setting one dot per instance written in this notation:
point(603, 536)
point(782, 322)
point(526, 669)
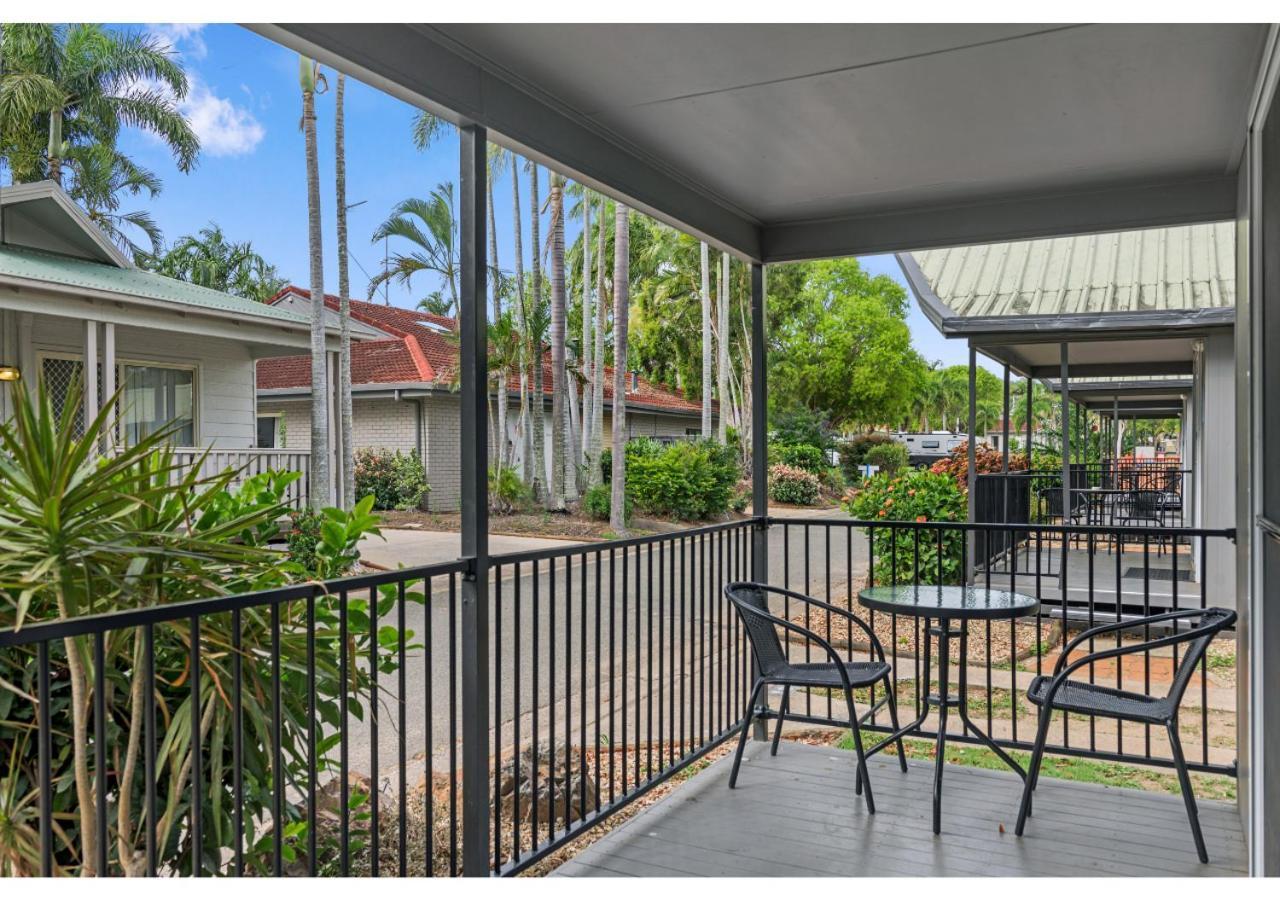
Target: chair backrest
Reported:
point(1213, 620)
point(1145, 504)
point(752, 603)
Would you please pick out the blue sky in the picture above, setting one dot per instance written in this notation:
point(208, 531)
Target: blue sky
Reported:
point(245, 104)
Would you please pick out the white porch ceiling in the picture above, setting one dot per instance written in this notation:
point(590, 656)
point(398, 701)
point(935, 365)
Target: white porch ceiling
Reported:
point(787, 141)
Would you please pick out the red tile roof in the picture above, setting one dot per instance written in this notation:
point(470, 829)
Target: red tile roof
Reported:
point(422, 349)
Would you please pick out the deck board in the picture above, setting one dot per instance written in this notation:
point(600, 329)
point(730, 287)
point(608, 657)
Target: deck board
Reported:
point(796, 814)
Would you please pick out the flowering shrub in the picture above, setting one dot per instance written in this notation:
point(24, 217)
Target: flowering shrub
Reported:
point(917, 495)
point(396, 480)
point(791, 485)
point(989, 461)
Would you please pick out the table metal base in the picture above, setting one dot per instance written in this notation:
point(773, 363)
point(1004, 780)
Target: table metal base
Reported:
point(943, 701)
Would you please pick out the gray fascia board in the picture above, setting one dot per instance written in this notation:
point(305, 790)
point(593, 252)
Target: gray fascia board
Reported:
point(931, 305)
point(1173, 386)
point(1052, 328)
point(1196, 197)
point(426, 69)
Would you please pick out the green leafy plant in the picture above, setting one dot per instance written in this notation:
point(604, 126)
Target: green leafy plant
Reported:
point(799, 456)
point(686, 480)
point(853, 453)
point(597, 503)
point(395, 479)
point(507, 493)
point(909, 555)
point(790, 485)
point(891, 457)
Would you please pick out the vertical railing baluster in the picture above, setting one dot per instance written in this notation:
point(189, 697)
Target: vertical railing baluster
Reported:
point(375, 831)
point(453, 725)
point(100, 750)
point(313, 773)
point(517, 640)
point(277, 756)
point(402, 761)
point(44, 737)
point(428, 687)
point(496, 799)
point(344, 787)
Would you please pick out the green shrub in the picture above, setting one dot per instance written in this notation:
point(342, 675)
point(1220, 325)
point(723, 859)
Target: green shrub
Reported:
point(891, 457)
point(685, 480)
point(507, 493)
point(396, 480)
point(740, 500)
point(802, 426)
point(597, 503)
point(853, 453)
point(831, 480)
point(800, 456)
point(791, 485)
point(917, 495)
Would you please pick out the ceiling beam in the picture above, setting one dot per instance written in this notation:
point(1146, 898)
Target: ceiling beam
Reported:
point(423, 68)
point(1199, 197)
point(1107, 370)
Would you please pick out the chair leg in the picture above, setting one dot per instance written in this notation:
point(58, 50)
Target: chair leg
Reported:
point(863, 776)
point(746, 727)
point(1037, 755)
point(893, 719)
point(1189, 798)
point(783, 709)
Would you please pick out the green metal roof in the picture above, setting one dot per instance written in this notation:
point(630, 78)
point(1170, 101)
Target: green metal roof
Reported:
point(70, 273)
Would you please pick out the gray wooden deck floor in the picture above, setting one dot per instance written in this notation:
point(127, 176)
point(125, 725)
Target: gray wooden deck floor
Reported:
point(796, 814)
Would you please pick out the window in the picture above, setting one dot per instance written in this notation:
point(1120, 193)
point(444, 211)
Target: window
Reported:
point(155, 396)
point(268, 432)
point(930, 445)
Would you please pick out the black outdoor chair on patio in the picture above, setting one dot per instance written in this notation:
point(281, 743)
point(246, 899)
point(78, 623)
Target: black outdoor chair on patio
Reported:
point(751, 600)
point(1059, 692)
point(1143, 507)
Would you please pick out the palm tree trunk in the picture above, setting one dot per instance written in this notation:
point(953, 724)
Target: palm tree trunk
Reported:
point(318, 491)
point(573, 422)
point(621, 302)
point(596, 427)
point(522, 426)
point(535, 344)
point(558, 386)
point(346, 412)
point(706, 343)
point(500, 437)
point(588, 322)
point(722, 368)
point(55, 146)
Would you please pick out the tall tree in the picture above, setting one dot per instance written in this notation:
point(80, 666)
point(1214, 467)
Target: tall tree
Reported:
point(621, 301)
point(100, 179)
point(595, 428)
point(68, 86)
point(430, 226)
point(534, 341)
point(312, 81)
point(497, 158)
point(706, 342)
point(345, 413)
point(210, 260)
point(722, 366)
point(558, 387)
point(524, 432)
point(588, 321)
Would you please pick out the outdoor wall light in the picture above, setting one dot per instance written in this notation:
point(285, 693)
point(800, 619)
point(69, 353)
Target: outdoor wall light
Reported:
point(10, 373)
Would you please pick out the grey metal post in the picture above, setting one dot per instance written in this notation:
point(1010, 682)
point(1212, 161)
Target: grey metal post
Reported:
point(1115, 425)
point(1004, 447)
point(1066, 441)
point(1030, 397)
point(473, 341)
point(973, 458)
point(759, 448)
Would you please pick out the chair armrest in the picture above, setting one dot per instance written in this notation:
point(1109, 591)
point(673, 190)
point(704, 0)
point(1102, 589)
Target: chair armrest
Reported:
point(1124, 626)
point(813, 601)
point(796, 629)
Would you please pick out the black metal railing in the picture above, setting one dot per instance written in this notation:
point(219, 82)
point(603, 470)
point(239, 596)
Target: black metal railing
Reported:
point(327, 737)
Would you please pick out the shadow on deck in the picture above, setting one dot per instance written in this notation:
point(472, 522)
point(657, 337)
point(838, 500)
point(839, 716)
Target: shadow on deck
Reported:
point(796, 815)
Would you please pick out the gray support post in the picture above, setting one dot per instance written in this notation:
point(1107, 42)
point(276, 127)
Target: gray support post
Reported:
point(972, 481)
point(109, 382)
point(759, 453)
point(1004, 450)
point(90, 370)
point(1066, 441)
point(1030, 398)
point(1115, 426)
point(474, 360)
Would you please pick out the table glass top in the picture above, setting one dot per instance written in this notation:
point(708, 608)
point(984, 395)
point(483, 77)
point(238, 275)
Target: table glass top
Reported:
point(948, 601)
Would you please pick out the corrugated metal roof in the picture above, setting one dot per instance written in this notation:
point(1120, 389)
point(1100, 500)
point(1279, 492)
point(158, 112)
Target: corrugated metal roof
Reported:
point(68, 273)
point(1182, 268)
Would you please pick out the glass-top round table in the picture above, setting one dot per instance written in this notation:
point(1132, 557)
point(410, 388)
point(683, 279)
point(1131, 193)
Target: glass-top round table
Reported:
point(951, 607)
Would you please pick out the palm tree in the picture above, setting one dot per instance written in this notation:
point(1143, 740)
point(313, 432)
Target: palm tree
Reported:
point(722, 368)
point(68, 86)
point(526, 440)
point(208, 259)
point(621, 300)
point(596, 428)
point(345, 411)
point(588, 320)
point(706, 343)
point(311, 80)
point(100, 177)
point(431, 227)
point(497, 159)
point(558, 388)
point(534, 347)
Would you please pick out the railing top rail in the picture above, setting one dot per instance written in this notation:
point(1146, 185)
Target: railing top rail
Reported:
point(524, 556)
point(934, 525)
point(154, 615)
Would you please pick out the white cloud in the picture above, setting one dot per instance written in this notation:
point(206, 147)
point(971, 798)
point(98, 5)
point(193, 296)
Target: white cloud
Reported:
point(182, 37)
point(224, 128)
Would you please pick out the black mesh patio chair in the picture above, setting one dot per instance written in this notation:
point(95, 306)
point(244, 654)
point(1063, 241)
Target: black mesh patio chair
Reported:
point(1059, 692)
point(773, 667)
point(1144, 508)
